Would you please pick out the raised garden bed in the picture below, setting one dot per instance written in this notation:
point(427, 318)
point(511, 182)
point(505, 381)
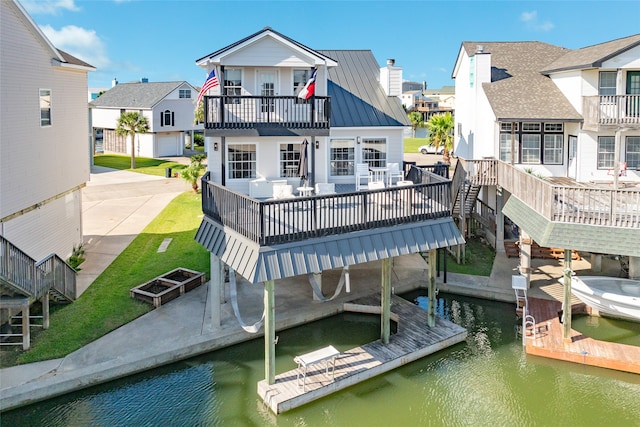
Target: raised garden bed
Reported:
point(169, 286)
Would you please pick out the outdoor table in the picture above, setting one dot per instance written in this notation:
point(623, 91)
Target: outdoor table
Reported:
point(379, 173)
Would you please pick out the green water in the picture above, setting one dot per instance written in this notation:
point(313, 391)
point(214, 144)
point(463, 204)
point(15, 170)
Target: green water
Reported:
point(486, 381)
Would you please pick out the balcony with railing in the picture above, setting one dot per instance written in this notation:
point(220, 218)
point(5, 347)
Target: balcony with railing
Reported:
point(267, 115)
point(269, 222)
point(611, 110)
point(578, 204)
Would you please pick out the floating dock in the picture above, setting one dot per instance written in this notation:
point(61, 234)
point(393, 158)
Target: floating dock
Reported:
point(548, 342)
point(412, 341)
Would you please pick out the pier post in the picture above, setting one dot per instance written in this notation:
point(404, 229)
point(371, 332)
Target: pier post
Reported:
point(215, 283)
point(385, 323)
point(269, 333)
point(431, 288)
point(566, 305)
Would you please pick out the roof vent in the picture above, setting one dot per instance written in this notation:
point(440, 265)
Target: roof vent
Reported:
point(479, 48)
point(391, 62)
point(144, 80)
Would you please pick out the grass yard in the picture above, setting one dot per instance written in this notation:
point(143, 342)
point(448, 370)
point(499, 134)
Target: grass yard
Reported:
point(411, 144)
point(479, 260)
point(106, 304)
point(143, 164)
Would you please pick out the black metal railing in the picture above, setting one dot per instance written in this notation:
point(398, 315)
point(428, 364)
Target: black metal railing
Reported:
point(269, 222)
point(248, 112)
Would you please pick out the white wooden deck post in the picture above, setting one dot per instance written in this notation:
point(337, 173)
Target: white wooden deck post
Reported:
point(45, 310)
point(269, 333)
point(525, 255)
point(385, 298)
point(214, 294)
point(499, 221)
point(431, 288)
point(566, 314)
point(26, 331)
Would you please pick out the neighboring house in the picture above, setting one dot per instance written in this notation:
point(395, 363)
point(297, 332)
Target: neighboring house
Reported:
point(564, 129)
point(44, 161)
point(446, 96)
point(255, 126)
point(167, 106)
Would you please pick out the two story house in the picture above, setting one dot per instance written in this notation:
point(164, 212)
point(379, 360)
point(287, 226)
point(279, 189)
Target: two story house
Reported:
point(255, 128)
point(44, 161)
point(550, 137)
point(167, 106)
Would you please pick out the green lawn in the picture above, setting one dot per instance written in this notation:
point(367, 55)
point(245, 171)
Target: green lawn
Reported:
point(106, 304)
point(411, 144)
point(479, 259)
point(143, 164)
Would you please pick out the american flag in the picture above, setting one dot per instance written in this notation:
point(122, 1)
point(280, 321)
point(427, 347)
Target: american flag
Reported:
point(211, 82)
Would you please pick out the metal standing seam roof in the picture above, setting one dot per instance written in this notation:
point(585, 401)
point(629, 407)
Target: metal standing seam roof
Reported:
point(261, 263)
point(136, 95)
point(518, 90)
point(357, 98)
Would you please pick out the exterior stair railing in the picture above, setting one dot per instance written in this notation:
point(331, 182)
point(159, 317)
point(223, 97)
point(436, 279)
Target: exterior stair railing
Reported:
point(34, 278)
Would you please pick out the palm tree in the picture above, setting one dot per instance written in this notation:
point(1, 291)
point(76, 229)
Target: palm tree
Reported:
point(441, 133)
point(192, 173)
point(130, 123)
point(416, 121)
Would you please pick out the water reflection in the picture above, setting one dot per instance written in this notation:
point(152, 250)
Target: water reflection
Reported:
point(487, 380)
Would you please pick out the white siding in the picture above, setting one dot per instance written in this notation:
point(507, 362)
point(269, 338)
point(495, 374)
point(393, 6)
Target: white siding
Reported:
point(268, 52)
point(38, 164)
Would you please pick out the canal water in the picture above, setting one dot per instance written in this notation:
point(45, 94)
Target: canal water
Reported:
point(485, 381)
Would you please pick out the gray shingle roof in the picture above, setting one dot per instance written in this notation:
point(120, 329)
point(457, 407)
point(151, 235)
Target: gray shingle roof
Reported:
point(357, 98)
point(592, 56)
point(517, 90)
point(136, 95)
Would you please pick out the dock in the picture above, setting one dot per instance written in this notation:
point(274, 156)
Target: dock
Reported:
point(548, 341)
point(412, 341)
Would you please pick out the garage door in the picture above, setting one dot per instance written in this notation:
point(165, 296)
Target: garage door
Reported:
point(167, 146)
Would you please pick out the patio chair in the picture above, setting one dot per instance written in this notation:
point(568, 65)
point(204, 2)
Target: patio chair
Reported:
point(394, 172)
point(362, 172)
point(282, 191)
point(325, 188)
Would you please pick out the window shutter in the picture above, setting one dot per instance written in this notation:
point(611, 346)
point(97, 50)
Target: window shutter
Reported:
point(162, 119)
point(173, 122)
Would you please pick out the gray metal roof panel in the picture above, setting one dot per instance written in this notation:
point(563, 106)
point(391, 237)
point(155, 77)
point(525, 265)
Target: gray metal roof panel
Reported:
point(258, 264)
point(136, 95)
point(357, 98)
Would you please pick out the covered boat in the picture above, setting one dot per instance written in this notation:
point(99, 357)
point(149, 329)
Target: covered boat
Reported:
point(610, 295)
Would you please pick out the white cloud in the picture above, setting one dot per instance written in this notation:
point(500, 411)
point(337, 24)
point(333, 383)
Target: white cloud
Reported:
point(48, 7)
point(532, 22)
point(79, 42)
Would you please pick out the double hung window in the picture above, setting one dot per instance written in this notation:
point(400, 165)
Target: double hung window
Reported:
point(232, 85)
point(342, 155)
point(606, 149)
point(289, 159)
point(242, 161)
point(374, 152)
point(632, 150)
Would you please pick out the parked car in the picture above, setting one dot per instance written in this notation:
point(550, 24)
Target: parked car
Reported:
point(430, 149)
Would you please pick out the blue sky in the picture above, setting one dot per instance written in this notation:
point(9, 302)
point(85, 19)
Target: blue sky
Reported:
point(162, 39)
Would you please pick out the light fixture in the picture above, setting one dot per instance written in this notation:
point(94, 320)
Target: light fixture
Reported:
point(358, 139)
point(215, 146)
point(317, 144)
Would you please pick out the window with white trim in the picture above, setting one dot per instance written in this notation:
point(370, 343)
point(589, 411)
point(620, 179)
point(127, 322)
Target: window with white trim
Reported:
point(632, 150)
point(242, 161)
point(289, 159)
point(606, 149)
point(531, 148)
point(342, 157)
point(552, 154)
point(607, 83)
point(45, 107)
point(505, 148)
point(374, 152)
point(232, 84)
point(184, 94)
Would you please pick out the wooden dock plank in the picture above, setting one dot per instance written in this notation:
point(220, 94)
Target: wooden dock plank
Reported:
point(413, 340)
point(581, 349)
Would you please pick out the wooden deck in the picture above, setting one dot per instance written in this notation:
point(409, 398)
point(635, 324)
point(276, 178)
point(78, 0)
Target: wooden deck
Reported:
point(413, 340)
point(549, 342)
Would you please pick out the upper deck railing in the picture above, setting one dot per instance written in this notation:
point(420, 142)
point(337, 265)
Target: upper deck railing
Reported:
point(611, 110)
point(268, 222)
point(249, 112)
point(573, 204)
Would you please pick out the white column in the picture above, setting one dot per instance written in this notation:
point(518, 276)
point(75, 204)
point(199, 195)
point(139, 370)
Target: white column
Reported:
point(385, 301)
point(431, 288)
point(525, 256)
point(269, 333)
point(318, 280)
point(213, 294)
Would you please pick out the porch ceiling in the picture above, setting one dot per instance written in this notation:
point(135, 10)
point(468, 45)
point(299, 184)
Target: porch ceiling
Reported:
point(258, 264)
point(581, 237)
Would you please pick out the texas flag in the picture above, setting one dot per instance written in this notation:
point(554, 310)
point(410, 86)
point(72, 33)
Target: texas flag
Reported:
point(310, 88)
